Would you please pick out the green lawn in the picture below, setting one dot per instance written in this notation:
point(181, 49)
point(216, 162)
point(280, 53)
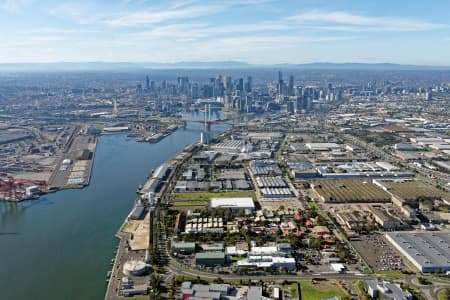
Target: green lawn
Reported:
point(320, 290)
point(237, 258)
point(196, 196)
point(361, 290)
point(190, 203)
point(294, 290)
point(312, 204)
point(442, 295)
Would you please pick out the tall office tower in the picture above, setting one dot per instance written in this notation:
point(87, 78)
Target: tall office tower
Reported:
point(291, 86)
point(219, 87)
point(248, 84)
point(299, 91)
point(429, 94)
point(183, 85)
point(147, 83)
point(280, 85)
point(164, 85)
point(194, 91)
point(139, 91)
point(291, 106)
point(152, 86)
point(388, 90)
point(240, 85)
point(248, 104)
point(206, 91)
point(227, 84)
point(299, 104)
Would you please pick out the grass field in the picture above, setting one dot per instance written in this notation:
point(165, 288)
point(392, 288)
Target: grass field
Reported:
point(321, 290)
point(442, 295)
point(294, 291)
point(206, 196)
point(190, 203)
point(361, 290)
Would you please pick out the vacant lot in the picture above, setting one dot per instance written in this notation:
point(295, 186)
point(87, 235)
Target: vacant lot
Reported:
point(190, 196)
point(321, 289)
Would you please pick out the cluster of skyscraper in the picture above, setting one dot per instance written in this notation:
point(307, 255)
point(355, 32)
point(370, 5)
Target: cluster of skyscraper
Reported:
point(240, 94)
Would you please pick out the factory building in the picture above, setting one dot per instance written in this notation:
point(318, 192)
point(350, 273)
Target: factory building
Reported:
point(209, 259)
point(274, 257)
point(386, 290)
point(202, 291)
point(233, 203)
point(182, 247)
point(428, 251)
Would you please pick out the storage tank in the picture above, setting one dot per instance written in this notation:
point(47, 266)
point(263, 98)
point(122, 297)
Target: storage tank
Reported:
point(135, 268)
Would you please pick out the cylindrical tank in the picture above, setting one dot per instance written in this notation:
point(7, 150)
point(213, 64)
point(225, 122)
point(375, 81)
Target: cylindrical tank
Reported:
point(135, 268)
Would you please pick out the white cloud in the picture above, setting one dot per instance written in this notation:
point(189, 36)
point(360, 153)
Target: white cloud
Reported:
point(346, 21)
point(201, 30)
point(162, 15)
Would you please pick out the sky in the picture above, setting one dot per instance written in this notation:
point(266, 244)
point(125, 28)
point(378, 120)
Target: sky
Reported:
point(254, 31)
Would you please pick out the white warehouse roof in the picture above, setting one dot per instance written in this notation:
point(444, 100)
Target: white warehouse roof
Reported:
point(233, 203)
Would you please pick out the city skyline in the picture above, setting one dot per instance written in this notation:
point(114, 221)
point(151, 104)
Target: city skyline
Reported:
point(254, 31)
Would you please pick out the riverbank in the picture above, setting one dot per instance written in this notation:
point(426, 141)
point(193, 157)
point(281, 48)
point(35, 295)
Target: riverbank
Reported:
point(79, 223)
point(127, 238)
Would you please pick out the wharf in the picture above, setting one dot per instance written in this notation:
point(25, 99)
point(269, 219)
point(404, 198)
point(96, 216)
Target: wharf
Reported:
point(75, 168)
point(140, 231)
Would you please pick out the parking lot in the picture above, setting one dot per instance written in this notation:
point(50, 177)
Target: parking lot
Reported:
point(378, 253)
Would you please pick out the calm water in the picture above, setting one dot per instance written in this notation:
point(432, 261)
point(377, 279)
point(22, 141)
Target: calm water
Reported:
point(60, 247)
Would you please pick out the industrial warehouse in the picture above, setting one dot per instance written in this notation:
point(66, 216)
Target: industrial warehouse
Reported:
point(428, 252)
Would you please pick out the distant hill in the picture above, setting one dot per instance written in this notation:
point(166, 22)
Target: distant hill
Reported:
point(360, 66)
point(118, 66)
point(123, 66)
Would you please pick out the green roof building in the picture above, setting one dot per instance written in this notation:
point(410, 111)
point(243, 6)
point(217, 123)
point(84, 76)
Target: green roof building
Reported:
point(209, 259)
point(183, 247)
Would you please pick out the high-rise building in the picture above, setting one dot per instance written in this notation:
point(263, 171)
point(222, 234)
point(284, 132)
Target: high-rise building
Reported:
point(291, 86)
point(248, 104)
point(194, 91)
point(248, 84)
point(280, 85)
point(147, 83)
point(240, 85)
point(429, 95)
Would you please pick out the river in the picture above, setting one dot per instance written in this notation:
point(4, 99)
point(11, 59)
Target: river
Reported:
point(60, 246)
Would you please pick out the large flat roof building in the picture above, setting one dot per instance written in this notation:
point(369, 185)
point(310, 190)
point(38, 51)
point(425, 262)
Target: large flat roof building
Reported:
point(428, 251)
point(233, 203)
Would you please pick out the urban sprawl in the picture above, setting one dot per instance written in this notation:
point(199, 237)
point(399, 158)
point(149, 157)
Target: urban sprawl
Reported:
point(323, 185)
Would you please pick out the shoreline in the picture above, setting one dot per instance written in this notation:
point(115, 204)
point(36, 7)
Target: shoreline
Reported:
point(123, 236)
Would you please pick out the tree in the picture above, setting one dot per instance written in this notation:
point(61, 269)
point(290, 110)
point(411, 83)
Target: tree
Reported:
point(218, 280)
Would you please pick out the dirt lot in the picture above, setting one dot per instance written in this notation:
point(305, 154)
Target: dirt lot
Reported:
point(275, 205)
